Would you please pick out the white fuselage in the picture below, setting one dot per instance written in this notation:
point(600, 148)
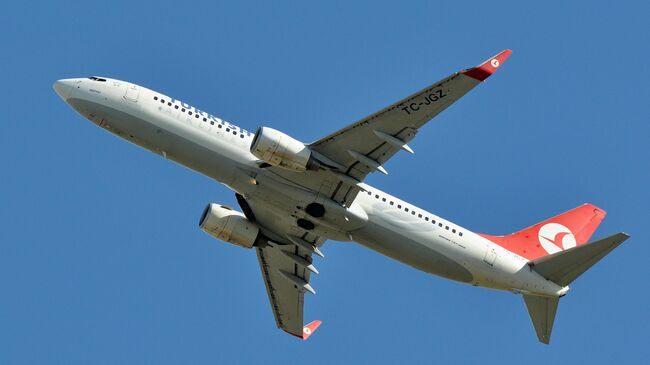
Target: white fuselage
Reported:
point(376, 219)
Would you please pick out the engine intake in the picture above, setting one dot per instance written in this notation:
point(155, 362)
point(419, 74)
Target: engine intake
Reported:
point(229, 225)
point(278, 149)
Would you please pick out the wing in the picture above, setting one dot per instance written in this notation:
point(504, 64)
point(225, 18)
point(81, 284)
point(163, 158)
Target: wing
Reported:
point(366, 145)
point(286, 284)
point(363, 147)
point(286, 265)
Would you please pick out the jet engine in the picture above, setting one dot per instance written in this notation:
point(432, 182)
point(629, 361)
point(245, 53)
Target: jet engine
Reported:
point(229, 225)
point(278, 149)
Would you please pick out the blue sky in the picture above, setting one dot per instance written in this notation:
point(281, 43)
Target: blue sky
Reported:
point(101, 259)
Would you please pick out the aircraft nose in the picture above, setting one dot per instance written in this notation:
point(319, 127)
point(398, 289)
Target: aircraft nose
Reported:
point(63, 88)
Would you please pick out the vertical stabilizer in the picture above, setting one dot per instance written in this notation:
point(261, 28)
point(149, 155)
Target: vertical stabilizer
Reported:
point(569, 229)
point(542, 314)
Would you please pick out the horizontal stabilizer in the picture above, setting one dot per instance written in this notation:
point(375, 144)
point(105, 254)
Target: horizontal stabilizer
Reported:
point(565, 266)
point(542, 314)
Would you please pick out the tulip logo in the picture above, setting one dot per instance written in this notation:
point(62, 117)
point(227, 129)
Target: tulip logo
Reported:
point(555, 237)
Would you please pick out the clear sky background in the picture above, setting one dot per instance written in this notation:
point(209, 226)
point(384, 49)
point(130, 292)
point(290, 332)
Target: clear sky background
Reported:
point(101, 259)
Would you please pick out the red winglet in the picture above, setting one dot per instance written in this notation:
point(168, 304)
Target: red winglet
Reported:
point(487, 68)
point(309, 329)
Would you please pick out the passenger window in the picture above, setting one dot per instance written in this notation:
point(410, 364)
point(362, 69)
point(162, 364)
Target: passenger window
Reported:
point(460, 234)
point(190, 113)
point(391, 203)
point(426, 219)
point(175, 106)
point(453, 231)
point(183, 110)
point(155, 98)
point(205, 119)
point(162, 101)
point(169, 104)
point(211, 122)
point(406, 209)
point(447, 227)
point(439, 224)
point(413, 212)
point(383, 199)
point(399, 206)
point(376, 196)
point(219, 125)
point(227, 129)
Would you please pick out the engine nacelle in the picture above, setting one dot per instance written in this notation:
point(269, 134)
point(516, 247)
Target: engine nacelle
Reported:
point(278, 149)
point(231, 226)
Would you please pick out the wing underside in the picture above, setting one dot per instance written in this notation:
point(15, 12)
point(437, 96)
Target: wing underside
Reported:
point(286, 266)
point(286, 298)
point(365, 146)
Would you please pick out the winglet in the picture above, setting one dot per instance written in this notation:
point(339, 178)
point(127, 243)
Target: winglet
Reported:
point(487, 68)
point(309, 329)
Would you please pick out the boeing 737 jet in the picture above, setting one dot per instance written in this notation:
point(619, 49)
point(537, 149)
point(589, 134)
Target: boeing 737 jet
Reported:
point(294, 196)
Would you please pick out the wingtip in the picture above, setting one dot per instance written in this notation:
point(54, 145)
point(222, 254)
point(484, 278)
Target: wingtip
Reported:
point(487, 68)
point(309, 329)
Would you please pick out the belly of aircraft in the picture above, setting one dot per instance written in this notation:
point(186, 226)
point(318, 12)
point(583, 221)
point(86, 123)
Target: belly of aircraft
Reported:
point(155, 139)
point(420, 255)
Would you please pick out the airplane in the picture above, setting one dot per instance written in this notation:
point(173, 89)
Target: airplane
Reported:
point(294, 196)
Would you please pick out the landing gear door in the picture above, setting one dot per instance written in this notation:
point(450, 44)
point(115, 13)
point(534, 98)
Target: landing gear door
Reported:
point(132, 93)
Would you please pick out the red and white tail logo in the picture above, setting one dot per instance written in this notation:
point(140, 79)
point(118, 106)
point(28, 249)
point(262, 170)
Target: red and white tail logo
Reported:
point(555, 237)
point(569, 229)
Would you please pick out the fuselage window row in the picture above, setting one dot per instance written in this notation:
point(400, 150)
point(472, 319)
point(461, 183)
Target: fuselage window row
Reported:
point(383, 199)
point(413, 212)
point(243, 133)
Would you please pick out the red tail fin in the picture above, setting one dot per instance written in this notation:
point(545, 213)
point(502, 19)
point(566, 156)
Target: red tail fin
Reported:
point(566, 230)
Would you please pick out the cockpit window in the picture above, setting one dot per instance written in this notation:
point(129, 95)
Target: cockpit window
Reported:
point(97, 79)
